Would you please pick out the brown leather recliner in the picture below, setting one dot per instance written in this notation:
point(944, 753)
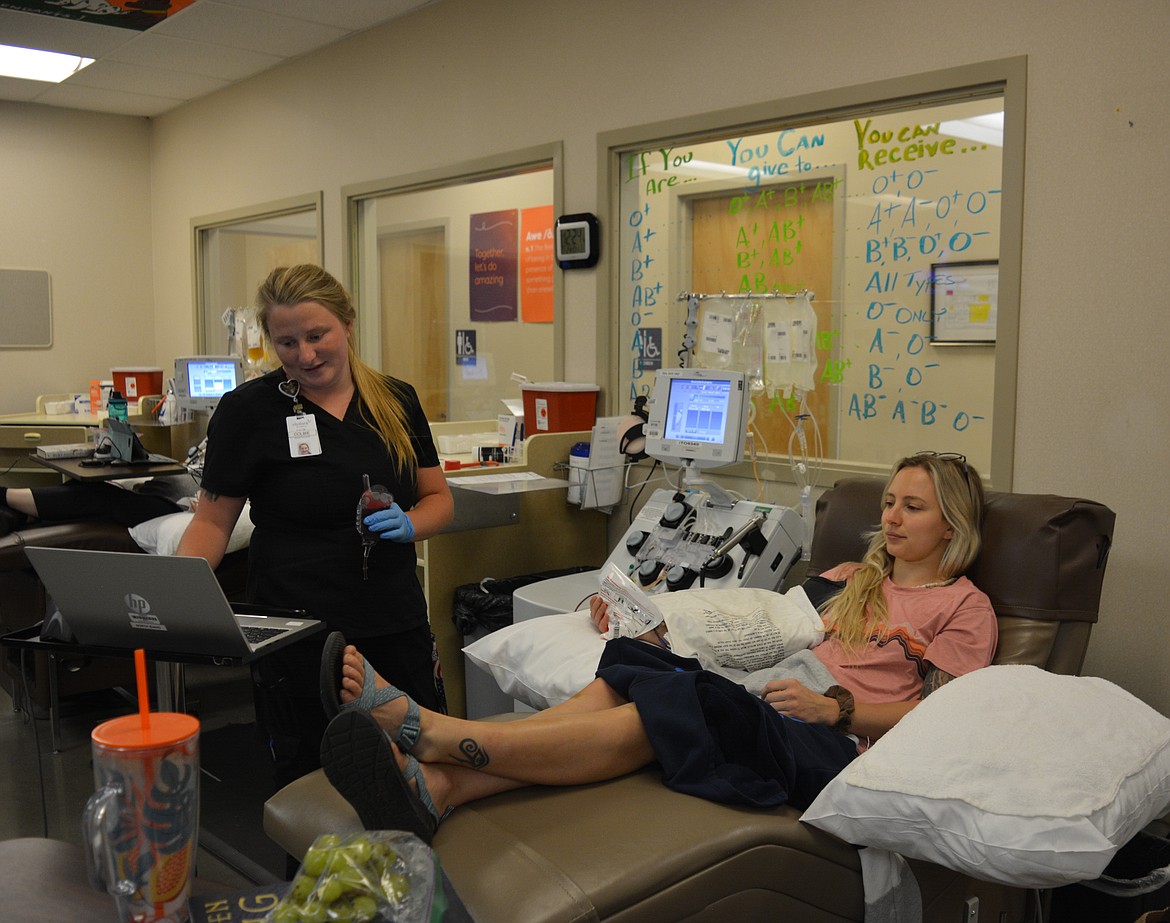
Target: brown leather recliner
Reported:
point(632, 850)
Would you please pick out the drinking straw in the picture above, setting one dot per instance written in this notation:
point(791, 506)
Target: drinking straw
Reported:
point(143, 695)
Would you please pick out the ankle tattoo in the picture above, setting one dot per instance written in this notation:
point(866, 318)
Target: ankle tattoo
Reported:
point(471, 754)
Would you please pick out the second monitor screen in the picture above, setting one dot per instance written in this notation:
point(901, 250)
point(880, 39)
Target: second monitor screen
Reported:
point(211, 379)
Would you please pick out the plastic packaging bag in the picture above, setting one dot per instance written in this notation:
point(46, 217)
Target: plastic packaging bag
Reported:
point(631, 612)
point(376, 876)
point(744, 628)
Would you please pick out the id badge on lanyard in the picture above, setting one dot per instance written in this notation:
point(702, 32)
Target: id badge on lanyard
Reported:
point(303, 440)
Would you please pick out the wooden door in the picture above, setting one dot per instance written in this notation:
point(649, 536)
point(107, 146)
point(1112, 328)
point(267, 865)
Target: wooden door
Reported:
point(413, 268)
point(777, 239)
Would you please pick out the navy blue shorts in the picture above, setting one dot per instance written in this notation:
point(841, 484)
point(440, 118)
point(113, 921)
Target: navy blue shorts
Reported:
point(716, 740)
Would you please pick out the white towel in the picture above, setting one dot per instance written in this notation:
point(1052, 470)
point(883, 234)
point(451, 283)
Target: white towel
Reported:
point(891, 890)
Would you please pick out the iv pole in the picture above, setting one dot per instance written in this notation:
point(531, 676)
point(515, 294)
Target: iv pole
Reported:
point(800, 470)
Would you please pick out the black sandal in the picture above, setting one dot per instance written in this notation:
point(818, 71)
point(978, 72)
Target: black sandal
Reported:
point(359, 760)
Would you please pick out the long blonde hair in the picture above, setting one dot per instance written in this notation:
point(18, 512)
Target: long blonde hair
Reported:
point(859, 611)
point(380, 406)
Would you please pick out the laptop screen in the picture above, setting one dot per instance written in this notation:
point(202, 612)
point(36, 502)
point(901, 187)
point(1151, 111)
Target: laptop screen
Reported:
point(171, 606)
point(122, 440)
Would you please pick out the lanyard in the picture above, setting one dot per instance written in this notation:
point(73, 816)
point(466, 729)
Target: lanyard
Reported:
point(291, 388)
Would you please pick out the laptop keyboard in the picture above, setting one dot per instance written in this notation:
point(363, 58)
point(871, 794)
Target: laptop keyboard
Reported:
point(254, 635)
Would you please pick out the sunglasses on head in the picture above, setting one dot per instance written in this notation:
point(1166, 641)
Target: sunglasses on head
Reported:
point(951, 457)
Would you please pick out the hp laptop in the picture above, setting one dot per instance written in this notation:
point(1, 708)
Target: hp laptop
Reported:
point(127, 449)
point(163, 603)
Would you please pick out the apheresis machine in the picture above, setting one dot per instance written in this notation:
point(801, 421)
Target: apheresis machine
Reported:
point(699, 535)
point(200, 381)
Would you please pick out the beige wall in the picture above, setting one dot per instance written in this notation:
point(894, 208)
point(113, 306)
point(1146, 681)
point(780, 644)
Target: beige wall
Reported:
point(75, 202)
point(503, 347)
point(461, 80)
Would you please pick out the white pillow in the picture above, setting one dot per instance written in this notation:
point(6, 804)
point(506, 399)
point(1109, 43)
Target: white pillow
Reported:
point(542, 661)
point(1009, 774)
point(161, 535)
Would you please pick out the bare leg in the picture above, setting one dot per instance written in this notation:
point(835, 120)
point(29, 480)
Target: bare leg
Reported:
point(594, 736)
point(569, 749)
point(452, 786)
point(594, 697)
point(21, 499)
point(597, 696)
point(532, 752)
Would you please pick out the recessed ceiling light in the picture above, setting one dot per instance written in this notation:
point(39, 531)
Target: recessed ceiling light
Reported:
point(31, 64)
point(984, 129)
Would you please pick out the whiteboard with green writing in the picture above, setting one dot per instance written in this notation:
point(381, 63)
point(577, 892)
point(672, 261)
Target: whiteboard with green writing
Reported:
point(910, 187)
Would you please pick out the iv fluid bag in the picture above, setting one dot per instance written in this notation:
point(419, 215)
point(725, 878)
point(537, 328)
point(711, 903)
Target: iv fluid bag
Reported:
point(790, 333)
point(731, 336)
point(717, 333)
point(748, 351)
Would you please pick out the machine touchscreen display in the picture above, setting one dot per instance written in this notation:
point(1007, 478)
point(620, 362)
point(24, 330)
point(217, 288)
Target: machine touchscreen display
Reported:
point(697, 409)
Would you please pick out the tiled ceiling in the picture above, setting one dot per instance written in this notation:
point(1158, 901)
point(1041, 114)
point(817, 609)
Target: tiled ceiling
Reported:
point(201, 48)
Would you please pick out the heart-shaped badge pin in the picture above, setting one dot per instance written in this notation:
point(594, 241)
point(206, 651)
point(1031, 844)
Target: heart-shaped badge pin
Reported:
point(290, 388)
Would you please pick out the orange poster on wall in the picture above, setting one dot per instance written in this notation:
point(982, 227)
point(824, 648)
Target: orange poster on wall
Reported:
point(536, 264)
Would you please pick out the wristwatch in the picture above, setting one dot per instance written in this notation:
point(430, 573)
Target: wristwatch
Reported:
point(845, 703)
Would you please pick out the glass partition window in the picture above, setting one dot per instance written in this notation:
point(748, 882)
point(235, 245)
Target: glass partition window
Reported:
point(455, 286)
point(234, 252)
point(849, 267)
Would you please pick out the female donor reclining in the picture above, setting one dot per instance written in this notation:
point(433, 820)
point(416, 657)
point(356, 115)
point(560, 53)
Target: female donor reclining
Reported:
point(906, 622)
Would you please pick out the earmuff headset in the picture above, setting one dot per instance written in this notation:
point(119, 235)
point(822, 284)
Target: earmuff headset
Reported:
point(632, 441)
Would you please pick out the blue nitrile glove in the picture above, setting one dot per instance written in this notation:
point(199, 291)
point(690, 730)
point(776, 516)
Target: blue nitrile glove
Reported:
point(391, 524)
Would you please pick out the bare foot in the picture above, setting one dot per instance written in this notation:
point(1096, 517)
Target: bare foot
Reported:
point(389, 715)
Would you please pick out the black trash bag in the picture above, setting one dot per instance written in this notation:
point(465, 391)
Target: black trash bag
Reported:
point(488, 604)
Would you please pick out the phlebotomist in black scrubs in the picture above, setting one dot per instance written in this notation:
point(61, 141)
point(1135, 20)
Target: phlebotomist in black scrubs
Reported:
point(305, 443)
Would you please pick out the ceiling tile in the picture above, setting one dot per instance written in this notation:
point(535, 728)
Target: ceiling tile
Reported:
point(172, 84)
point(113, 101)
point(192, 57)
point(354, 15)
point(236, 27)
point(197, 50)
point(21, 90)
point(68, 36)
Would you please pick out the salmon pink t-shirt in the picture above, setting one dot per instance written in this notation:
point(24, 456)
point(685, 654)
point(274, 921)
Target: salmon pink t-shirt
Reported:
point(951, 627)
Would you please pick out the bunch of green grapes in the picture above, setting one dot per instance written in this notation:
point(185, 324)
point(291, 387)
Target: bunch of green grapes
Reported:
point(344, 881)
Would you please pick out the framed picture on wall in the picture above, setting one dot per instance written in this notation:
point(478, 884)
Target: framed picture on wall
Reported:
point(963, 301)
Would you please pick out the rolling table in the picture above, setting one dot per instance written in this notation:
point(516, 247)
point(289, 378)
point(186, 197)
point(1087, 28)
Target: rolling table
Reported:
point(73, 469)
point(168, 673)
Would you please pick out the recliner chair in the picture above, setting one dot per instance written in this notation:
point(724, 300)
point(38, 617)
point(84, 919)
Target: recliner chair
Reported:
point(630, 850)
